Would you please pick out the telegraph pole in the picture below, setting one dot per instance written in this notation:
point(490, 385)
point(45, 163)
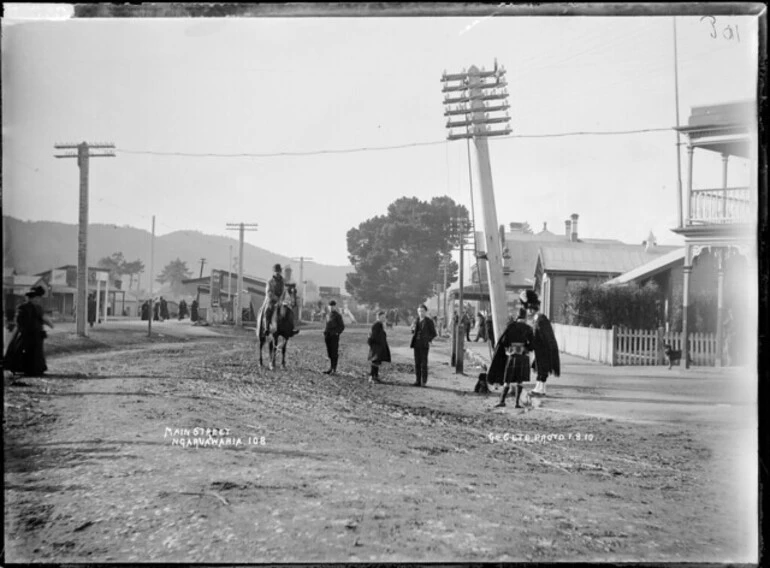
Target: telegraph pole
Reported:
point(461, 227)
point(82, 155)
point(302, 281)
point(445, 266)
point(230, 281)
point(678, 140)
point(152, 261)
point(481, 93)
point(241, 227)
point(198, 297)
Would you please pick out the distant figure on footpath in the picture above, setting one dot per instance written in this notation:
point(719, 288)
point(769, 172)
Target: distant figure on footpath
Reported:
point(25, 352)
point(465, 326)
point(334, 328)
point(194, 311)
point(481, 328)
point(379, 352)
point(546, 349)
point(182, 309)
point(146, 310)
point(423, 332)
point(490, 329)
point(91, 309)
point(163, 309)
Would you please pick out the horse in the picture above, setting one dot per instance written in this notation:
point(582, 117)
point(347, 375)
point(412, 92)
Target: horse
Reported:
point(284, 329)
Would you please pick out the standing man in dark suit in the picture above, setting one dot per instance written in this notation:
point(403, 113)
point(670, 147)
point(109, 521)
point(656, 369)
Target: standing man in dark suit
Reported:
point(334, 327)
point(423, 332)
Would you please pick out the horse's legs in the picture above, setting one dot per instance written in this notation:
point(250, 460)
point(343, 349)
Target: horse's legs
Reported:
point(261, 344)
point(272, 352)
point(283, 352)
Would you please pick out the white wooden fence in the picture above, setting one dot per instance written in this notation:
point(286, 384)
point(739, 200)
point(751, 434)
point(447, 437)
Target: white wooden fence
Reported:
point(620, 346)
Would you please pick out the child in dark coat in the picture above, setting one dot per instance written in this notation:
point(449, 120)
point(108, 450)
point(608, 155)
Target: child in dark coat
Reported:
point(379, 352)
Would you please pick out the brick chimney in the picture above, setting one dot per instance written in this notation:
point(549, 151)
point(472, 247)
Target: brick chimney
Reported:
point(567, 228)
point(574, 234)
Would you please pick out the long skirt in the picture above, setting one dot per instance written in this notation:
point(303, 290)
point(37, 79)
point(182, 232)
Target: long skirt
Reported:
point(25, 355)
point(517, 369)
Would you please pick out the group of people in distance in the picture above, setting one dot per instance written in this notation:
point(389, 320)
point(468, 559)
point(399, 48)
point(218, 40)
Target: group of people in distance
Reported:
point(423, 332)
point(529, 333)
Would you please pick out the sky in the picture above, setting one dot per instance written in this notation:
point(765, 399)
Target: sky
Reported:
point(214, 88)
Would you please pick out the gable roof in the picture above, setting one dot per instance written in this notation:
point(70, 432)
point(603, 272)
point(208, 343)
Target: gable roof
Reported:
point(650, 268)
point(21, 283)
point(599, 258)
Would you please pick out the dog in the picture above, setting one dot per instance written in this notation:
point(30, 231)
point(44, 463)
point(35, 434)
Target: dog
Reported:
point(482, 387)
point(674, 356)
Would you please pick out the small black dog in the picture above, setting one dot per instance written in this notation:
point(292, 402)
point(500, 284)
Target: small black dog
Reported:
point(481, 385)
point(674, 356)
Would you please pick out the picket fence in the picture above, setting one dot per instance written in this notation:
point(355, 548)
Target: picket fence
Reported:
point(621, 346)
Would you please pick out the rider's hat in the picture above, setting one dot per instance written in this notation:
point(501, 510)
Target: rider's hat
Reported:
point(276, 268)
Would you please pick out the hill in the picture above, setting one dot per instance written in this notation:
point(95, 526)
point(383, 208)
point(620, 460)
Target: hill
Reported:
point(31, 247)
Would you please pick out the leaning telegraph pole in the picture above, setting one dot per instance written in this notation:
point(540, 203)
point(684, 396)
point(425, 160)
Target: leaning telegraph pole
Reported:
point(302, 260)
point(241, 228)
point(461, 227)
point(479, 94)
point(82, 155)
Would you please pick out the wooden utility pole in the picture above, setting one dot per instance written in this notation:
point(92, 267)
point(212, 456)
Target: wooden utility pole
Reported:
point(445, 265)
point(302, 281)
point(477, 87)
point(241, 227)
point(461, 228)
point(152, 261)
point(678, 139)
point(82, 155)
point(198, 295)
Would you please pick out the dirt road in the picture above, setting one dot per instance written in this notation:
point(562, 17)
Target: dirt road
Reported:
point(103, 463)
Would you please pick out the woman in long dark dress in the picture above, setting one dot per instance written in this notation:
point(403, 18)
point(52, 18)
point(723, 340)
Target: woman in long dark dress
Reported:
point(25, 352)
point(379, 352)
point(510, 362)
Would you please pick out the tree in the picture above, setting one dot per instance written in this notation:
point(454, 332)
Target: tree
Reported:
point(133, 268)
point(173, 273)
point(114, 263)
point(397, 255)
point(596, 305)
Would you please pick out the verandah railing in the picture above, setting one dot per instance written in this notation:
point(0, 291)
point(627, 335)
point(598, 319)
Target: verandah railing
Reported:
point(718, 206)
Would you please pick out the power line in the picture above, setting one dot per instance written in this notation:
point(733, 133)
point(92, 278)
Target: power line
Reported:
point(379, 148)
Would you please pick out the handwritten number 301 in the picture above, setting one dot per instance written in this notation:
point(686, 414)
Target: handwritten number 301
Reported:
point(727, 31)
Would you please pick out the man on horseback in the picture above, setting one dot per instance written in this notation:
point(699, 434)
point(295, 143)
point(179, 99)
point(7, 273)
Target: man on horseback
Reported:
point(275, 295)
point(274, 298)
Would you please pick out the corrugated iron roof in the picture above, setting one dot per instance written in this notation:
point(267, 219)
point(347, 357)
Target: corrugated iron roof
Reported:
point(603, 258)
point(649, 268)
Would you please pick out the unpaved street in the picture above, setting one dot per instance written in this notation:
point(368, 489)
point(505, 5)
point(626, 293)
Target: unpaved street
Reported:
point(637, 465)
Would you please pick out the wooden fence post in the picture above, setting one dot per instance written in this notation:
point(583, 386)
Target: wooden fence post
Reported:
point(659, 346)
point(613, 346)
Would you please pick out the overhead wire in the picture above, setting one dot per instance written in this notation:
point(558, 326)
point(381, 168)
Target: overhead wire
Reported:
point(379, 148)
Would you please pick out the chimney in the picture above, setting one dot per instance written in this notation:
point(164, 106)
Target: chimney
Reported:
point(545, 227)
point(650, 243)
point(567, 228)
point(574, 235)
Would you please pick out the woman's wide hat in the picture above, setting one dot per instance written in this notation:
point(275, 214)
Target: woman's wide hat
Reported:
point(529, 298)
point(35, 291)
